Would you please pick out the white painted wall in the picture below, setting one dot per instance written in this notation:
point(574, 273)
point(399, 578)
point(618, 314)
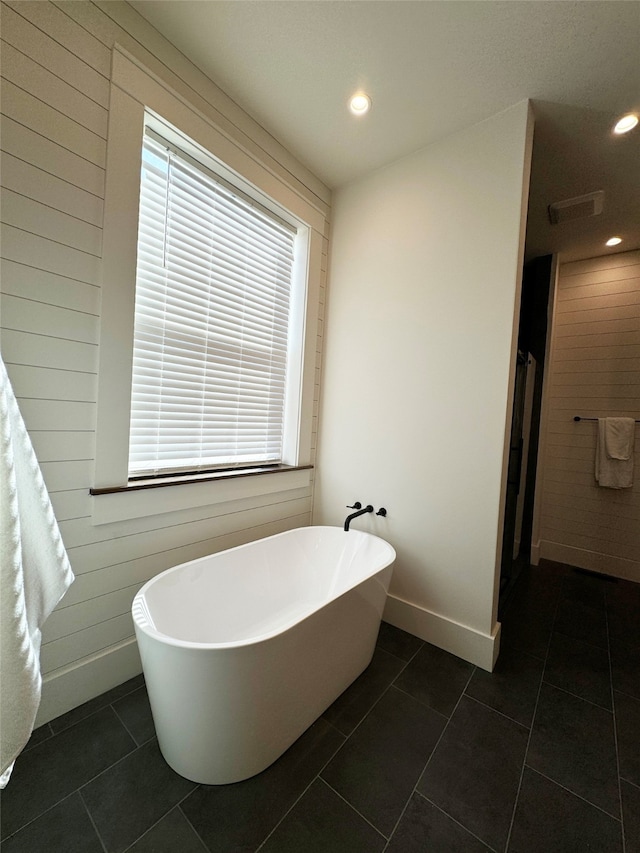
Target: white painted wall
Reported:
point(56, 86)
point(594, 371)
point(425, 269)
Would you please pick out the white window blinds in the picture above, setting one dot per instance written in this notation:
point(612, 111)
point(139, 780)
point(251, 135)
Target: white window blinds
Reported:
point(211, 322)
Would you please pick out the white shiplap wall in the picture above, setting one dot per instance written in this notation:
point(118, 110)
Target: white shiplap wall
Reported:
point(56, 60)
point(594, 372)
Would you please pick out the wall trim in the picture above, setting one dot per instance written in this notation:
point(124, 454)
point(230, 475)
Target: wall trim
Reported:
point(534, 556)
point(462, 641)
point(66, 688)
point(617, 567)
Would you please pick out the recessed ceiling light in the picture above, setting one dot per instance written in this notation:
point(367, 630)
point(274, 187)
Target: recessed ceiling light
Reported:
point(626, 123)
point(613, 241)
point(360, 104)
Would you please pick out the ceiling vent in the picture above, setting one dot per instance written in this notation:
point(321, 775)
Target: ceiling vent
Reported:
point(580, 207)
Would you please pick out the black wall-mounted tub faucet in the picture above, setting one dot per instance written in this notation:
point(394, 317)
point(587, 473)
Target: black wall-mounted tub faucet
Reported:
point(359, 511)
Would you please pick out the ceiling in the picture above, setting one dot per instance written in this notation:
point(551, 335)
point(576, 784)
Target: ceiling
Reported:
point(431, 68)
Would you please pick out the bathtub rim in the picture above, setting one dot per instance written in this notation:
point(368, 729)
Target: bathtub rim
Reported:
point(139, 610)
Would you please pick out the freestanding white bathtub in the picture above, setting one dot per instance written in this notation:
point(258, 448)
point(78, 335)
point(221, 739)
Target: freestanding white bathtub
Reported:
point(244, 649)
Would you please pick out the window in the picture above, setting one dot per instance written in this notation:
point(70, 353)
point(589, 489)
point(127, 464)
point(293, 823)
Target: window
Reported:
point(246, 174)
point(212, 311)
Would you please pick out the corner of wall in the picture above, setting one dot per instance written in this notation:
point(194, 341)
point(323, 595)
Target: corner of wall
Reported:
point(479, 649)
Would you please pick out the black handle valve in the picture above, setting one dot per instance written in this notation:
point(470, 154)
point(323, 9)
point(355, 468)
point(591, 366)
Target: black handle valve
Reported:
point(382, 511)
point(357, 505)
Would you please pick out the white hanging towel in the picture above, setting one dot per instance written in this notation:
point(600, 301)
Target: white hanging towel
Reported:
point(34, 575)
point(614, 452)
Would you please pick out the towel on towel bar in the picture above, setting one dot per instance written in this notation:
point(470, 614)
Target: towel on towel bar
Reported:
point(34, 575)
point(614, 452)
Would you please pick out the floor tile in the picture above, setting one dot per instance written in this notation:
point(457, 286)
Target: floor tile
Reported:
point(625, 589)
point(38, 735)
point(475, 771)
point(237, 818)
point(623, 592)
point(65, 828)
point(425, 828)
point(356, 701)
point(581, 622)
point(87, 708)
point(397, 642)
point(386, 736)
point(172, 834)
point(130, 797)
point(135, 712)
point(55, 768)
point(628, 728)
point(585, 587)
point(631, 816)
point(625, 668)
point(579, 668)
point(535, 595)
point(527, 632)
point(321, 821)
point(624, 620)
point(512, 687)
point(572, 742)
point(550, 819)
point(377, 768)
point(549, 572)
point(435, 678)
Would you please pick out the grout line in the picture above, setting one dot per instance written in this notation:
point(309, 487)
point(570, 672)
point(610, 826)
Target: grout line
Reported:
point(420, 702)
point(6, 838)
point(433, 751)
point(107, 704)
point(111, 766)
point(575, 696)
point(298, 798)
point(205, 847)
point(125, 726)
point(496, 711)
point(573, 793)
point(615, 729)
point(88, 781)
point(345, 739)
point(625, 693)
point(352, 807)
point(584, 642)
point(533, 719)
point(463, 693)
point(466, 829)
point(344, 742)
point(629, 782)
point(415, 654)
point(51, 734)
point(160, 819)
point(93, 823)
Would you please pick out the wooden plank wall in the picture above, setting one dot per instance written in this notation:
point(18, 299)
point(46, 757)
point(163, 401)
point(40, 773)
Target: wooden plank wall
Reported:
point(56, 61)
point(594, 372)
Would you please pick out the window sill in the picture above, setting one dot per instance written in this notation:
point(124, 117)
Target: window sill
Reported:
point(142, 498)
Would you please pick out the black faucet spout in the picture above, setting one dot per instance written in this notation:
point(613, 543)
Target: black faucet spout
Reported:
point(349, 519)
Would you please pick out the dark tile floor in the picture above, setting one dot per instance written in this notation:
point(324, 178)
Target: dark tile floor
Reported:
point(424, 752)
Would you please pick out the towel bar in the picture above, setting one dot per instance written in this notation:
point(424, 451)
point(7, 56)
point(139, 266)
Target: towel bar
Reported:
point(579, 418)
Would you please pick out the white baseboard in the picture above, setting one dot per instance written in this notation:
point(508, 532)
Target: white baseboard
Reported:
point(617, 567)
point(70, 686)
point(534, 556)
point(462, 641)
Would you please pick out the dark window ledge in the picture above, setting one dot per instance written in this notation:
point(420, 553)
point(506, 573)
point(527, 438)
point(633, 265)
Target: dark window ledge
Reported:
point(202, 477)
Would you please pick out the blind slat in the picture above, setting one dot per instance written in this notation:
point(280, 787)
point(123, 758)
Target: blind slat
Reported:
point(211, 327)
